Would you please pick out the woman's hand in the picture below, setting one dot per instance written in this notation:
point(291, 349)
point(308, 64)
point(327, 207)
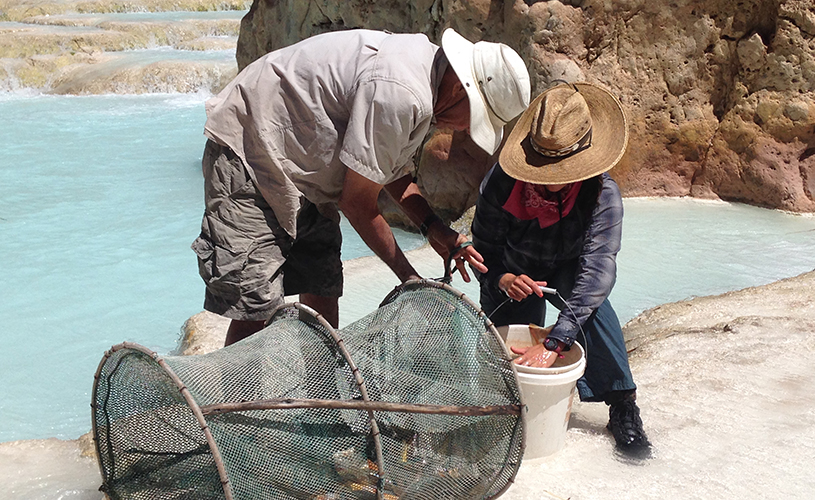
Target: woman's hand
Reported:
point(520, 287)
point(536, 356)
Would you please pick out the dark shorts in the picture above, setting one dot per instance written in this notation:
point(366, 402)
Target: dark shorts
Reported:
point(248, 262)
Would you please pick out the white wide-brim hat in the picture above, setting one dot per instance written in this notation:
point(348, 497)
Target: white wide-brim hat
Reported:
point(497, 84)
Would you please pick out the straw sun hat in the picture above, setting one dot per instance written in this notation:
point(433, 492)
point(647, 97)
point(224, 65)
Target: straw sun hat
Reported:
point(569, 133)
point(496, 81)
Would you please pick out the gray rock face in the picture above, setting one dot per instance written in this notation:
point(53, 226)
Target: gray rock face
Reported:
point(719, 94)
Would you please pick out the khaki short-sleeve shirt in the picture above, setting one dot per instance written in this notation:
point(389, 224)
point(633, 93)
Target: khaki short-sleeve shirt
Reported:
point(301, 115)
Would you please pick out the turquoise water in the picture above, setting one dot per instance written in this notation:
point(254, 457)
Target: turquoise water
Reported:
point(675, 249)
point(159, 54)
point(101, 196)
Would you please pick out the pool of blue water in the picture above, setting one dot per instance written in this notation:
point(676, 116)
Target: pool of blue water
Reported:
point(101, 196)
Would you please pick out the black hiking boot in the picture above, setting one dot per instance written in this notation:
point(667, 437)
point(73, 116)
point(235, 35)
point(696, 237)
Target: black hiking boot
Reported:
point(625, 425)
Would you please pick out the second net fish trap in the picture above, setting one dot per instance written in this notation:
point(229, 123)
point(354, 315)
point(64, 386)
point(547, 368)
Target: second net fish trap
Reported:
point(418, 400)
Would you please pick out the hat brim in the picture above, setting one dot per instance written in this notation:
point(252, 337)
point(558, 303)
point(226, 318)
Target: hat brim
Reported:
point(608, 142)
point(486, 129)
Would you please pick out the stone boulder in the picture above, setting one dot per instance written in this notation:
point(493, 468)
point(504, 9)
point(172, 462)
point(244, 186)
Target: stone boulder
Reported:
point(719, 94)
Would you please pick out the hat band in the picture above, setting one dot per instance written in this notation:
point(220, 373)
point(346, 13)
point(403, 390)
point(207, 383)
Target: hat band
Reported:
point(583, 143)
point(483, 90)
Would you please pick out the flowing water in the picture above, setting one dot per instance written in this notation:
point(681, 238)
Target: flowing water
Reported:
point(674, 249)
point(139, 17)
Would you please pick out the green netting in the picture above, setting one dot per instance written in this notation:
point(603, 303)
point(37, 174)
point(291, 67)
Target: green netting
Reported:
point(418, 400)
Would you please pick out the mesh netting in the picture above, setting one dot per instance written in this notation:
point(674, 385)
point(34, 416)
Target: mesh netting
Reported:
point(418, 400)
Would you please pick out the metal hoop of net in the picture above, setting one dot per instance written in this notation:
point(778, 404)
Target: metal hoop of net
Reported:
point(417, 400)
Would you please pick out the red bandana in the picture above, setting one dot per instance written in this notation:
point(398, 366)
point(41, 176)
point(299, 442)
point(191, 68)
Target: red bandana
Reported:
point(532, 201)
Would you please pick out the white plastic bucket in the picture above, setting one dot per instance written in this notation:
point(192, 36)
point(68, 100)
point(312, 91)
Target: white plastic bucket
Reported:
point(548, 394)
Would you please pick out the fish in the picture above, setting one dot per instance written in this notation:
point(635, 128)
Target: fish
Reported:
point(538, 333)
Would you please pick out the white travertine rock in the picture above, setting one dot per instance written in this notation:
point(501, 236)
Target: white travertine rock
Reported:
point(205, 332)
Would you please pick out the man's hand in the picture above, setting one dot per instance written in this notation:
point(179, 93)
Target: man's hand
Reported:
point(520, 287)
point(444, 240)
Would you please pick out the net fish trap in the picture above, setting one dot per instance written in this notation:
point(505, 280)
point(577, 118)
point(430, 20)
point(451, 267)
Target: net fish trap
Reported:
point(417, 400)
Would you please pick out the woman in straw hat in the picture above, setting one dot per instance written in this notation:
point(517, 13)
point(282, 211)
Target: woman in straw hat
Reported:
point(549, 215)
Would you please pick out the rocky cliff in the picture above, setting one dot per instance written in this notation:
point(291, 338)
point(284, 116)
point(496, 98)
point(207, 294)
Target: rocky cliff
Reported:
point(720, 94)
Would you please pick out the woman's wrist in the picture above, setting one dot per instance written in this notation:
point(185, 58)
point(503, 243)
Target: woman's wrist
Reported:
point(501, 285)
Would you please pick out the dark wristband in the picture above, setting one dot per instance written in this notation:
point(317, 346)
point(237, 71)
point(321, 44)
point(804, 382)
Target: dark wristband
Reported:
point(550, 344)
point(429, 220)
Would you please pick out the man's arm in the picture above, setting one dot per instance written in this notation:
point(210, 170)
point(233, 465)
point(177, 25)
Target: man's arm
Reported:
point(443, 239)
point(358, 203)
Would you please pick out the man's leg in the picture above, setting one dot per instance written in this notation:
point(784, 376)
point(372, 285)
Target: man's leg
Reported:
point(313, 267)
point(625, 423)
point(607, 369)
point(241, 248)
point(608, 378)
point(329, 307)
point(239, 330)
